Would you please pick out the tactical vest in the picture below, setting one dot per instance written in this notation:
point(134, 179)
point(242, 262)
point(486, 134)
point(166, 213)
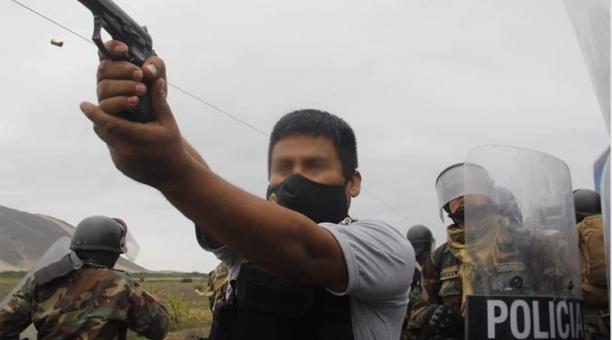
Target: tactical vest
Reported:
point(264, 306)
point(593, 279)
point(592, 251)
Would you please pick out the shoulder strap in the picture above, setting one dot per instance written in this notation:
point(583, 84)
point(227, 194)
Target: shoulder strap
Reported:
point(68, 264)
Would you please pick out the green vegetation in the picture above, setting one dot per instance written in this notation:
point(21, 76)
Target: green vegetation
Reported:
point(189, 312)
point(169, 276)
point(12, 275)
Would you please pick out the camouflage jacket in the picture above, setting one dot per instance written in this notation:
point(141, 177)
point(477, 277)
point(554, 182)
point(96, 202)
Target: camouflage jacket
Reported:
point(593, 278)
point(440, 284)
point(411, 333)
point(91, 303)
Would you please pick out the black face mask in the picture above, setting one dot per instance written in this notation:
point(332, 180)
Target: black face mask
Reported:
point(319, 202)
point(458, 216)
point(476, 213)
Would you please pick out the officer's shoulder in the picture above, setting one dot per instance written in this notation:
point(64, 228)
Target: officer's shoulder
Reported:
point(123, 275)
point(441, 251)
point(592, 219)
point(113, 274)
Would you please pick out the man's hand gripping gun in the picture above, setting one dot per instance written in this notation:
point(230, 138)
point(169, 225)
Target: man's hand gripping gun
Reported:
point(110, 17)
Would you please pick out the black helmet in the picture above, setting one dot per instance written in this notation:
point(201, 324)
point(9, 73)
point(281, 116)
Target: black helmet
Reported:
point(507, 205)
point(421, 238)
point(586, 203)
point(100, 234)
point(419, 234)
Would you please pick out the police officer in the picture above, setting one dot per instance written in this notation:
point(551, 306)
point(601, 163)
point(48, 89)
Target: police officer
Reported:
point(439, 310)
point(423, 242)
point(82, 296)
point(507, 206)
point(436, 310)
point(593, 264)
point(587, 203)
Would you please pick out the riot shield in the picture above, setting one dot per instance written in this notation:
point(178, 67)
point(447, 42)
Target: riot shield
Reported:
point(521, 270)
point(55, 253)
point(591, 21)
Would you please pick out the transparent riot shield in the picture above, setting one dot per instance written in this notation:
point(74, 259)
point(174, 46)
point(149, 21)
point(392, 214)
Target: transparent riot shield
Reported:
point(55, 253)
point(591, 21)
point(520, 270)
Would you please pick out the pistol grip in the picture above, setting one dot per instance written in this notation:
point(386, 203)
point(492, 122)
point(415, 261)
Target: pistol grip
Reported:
point(143, 112)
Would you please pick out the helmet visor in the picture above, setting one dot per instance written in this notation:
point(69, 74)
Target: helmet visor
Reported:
point(128, 244)
point(451, 183)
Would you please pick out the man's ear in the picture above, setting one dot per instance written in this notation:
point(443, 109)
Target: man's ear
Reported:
point(354, 185)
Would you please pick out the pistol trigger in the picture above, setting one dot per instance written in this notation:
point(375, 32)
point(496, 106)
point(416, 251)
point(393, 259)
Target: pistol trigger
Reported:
point(97, 37)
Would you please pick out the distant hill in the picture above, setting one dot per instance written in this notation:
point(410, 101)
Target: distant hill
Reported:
point(25, 237)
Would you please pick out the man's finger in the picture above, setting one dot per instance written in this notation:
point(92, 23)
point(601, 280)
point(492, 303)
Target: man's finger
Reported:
point(116, 48)
point(112, 88)
point(161, 108)
point(118, 69)
point(108, 127)
point(115, 105)
point(154, 68)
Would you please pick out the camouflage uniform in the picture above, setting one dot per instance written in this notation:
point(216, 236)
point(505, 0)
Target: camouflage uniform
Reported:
point(408, 332)
point(442, 277)
point(218, 280)
point(593, 277)
point(440, 284)
point(91, 303)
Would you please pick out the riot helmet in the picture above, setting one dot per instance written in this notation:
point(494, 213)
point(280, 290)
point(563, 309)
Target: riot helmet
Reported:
point(586, 203)
point(450, 184)
point(421, 238)
point(507, 205)
point(100, 239)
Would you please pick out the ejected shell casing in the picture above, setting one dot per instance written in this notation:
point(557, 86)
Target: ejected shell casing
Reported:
point(57, 42)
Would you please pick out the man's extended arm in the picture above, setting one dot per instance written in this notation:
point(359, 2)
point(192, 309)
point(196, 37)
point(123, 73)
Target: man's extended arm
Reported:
point(277, 239)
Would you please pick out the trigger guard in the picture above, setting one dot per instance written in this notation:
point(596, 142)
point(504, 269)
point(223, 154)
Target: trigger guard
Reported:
point(97, 37)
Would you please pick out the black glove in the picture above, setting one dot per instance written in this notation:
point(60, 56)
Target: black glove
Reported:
point(444, 321)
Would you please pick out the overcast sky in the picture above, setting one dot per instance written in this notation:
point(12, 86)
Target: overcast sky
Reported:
point(422, 82)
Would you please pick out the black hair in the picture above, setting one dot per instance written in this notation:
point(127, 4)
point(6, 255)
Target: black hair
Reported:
point(318, 123)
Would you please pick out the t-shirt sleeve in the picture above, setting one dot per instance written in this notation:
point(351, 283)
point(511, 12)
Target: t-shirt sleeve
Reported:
point(224, 253)
point(380, 261)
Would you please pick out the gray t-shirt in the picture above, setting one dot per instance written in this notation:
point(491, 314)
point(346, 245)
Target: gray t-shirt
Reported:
point(380, 264)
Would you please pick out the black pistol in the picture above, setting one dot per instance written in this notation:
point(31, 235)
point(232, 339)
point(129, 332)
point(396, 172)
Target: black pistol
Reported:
point(122, 27)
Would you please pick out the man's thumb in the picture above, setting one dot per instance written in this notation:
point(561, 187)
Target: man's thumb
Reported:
point(161, 108)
